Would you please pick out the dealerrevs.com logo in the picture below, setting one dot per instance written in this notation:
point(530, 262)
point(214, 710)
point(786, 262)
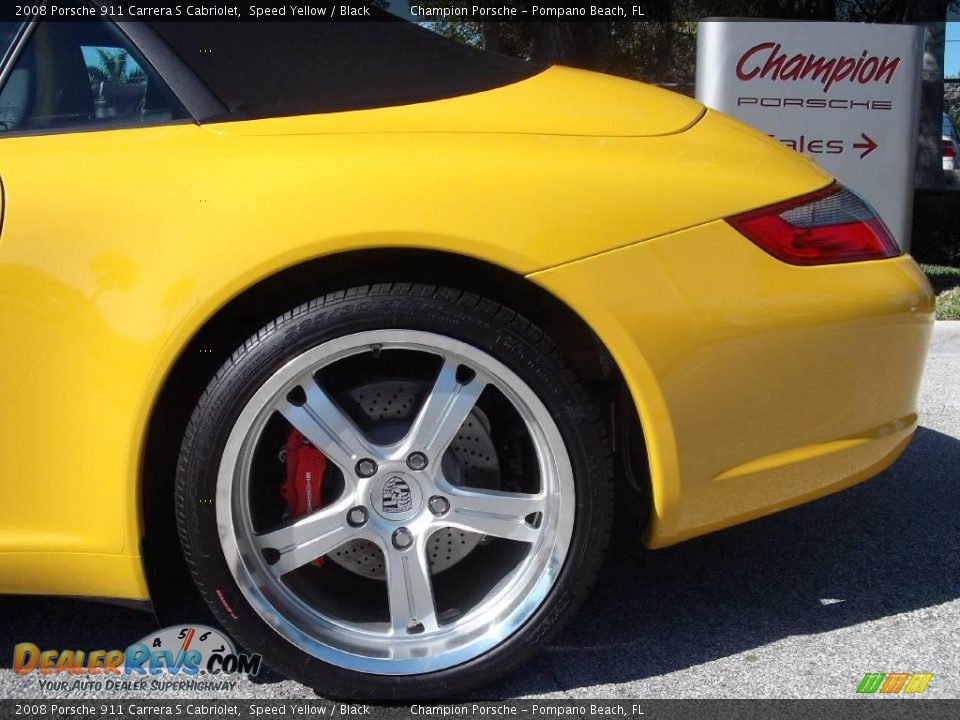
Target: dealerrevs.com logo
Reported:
point(170, 659)
point(768, 61)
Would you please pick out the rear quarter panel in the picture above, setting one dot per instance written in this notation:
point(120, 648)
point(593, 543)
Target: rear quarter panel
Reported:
point(760, 385)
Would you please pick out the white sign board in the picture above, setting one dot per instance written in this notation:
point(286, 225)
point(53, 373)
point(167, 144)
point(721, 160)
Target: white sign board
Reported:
point(845, 94)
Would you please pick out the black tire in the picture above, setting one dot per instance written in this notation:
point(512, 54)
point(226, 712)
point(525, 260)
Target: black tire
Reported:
point(480, 322)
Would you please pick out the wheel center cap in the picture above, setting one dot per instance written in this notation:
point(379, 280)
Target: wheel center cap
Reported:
point(396, 496)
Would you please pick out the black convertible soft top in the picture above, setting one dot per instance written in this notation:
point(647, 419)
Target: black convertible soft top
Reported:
point(272, 69)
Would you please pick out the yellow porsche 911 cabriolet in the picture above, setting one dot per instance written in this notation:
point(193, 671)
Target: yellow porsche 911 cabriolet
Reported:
point(370, 334)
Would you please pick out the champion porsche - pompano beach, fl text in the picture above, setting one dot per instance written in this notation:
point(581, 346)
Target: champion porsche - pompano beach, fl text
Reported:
point(535, 11)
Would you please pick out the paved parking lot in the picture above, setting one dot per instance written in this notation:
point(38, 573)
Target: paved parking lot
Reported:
point(800, 604)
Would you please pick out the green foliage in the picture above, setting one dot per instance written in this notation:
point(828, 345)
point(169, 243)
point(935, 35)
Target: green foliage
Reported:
point(946, 283)
point(942, 277)
point(951, 102)
point(948, 304)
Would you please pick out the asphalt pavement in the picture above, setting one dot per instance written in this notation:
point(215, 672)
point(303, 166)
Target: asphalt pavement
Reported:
point(797, 605)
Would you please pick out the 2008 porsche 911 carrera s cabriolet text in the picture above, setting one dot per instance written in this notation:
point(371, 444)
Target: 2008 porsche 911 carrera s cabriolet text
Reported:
point(370, 334)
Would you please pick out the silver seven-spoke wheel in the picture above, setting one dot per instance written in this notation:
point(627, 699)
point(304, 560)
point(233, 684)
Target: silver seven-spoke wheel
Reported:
point(439, 518)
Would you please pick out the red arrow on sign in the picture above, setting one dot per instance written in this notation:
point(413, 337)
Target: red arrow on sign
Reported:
point(869, 145)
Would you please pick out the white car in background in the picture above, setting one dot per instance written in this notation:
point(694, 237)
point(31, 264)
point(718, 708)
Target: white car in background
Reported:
point(950, 167)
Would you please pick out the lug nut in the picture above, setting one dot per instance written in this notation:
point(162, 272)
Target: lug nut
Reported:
point(402, 539)
point(416, 461)
point(438, 505)
point(357, 516)
point(366, 468)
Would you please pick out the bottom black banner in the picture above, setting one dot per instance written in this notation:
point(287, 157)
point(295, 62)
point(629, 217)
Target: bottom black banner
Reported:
point(863, 709)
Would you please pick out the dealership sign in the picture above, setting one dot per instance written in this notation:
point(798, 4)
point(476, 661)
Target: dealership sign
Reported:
point(845, 94)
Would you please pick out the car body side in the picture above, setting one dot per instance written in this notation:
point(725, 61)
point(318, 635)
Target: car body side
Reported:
point(758, 384)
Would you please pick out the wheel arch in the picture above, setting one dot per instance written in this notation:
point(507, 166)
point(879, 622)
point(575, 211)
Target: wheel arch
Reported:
point(275, 294)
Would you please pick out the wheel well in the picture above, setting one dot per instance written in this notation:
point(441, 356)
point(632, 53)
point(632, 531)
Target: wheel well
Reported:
point(167, 576)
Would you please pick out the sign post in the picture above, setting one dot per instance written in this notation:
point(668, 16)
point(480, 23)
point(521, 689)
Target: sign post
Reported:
point(845, 94)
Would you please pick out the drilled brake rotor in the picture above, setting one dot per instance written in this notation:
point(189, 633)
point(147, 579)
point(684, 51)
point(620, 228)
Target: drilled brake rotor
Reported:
point(471, 461)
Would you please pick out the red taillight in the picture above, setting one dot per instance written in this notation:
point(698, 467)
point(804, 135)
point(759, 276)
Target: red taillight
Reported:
point(832, 225)
point(949, 150)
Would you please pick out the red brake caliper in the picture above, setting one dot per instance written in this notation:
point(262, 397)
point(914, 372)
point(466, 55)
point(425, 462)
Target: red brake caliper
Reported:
point(304, 483)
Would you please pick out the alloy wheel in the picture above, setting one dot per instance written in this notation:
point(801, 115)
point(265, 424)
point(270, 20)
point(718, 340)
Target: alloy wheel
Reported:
point(445, 518)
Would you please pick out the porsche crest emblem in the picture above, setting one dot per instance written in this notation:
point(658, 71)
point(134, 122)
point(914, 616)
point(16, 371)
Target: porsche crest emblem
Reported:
point(396, 495)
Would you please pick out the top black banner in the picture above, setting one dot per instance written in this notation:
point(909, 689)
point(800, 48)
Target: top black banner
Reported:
point(346, 11)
